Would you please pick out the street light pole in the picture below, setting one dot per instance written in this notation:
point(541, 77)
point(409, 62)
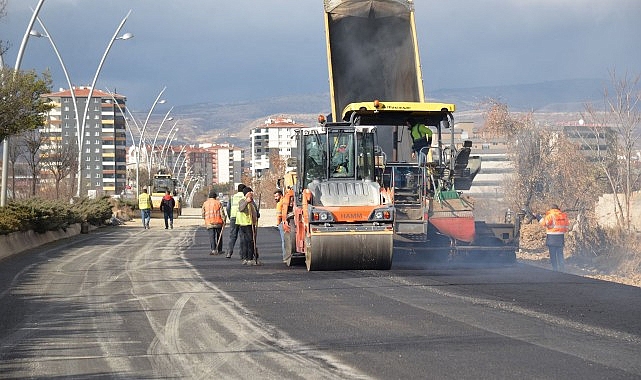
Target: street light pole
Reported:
point(142, 134)
point(173, 170)
point(35, 33)
point(5, 143)
point(153, 144)
point(168, 140)
point(81, 134)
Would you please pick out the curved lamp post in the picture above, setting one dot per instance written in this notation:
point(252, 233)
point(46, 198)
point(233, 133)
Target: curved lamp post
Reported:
point(164, 151)
point(150, 164)
point(142, 136)
point(47, 35)
point(5, 143)
point(81, 134)
point(173, 170)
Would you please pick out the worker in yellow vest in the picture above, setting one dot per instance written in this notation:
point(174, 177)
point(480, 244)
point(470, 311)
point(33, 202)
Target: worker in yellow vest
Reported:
point(145, 206)
point(232, 209)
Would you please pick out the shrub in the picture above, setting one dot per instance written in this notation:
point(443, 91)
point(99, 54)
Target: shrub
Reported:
point(94, 211)
point(43, 215)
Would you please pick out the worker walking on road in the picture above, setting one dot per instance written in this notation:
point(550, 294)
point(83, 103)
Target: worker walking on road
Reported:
point(247, 220)
point(215, 217)
point(232, 210)
point(556, 223)
point(167, 205)
point(421, 139)
point(145, 206)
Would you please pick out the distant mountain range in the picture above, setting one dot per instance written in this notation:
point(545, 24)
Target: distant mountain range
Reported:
point(231, 123)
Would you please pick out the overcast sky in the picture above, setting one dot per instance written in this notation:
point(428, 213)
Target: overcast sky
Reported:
point(239, 50)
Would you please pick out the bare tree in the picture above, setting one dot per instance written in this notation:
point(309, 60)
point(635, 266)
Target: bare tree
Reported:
point(617, 129)
point(266, 184)
point(61, 160)
point(32, 142)
point(3, 12)
point(15, 152)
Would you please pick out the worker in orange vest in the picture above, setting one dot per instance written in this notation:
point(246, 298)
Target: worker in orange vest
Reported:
point(557, 224)
point(215, 217)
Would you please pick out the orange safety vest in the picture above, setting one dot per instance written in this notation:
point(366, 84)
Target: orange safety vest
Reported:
point(212, 211)
point(556, 222)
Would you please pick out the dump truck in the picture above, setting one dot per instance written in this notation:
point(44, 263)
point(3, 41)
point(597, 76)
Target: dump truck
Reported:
point(375, 73)
point(345, 215)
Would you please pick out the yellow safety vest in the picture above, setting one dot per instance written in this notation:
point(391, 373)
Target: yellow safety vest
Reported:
point(234, 204)
point(144, 201)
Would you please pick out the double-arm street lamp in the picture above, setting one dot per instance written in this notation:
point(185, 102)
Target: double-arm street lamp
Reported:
point(80, 126)
point(142, 137)
point(150, 164)
point(5, 143)
point(81, 131)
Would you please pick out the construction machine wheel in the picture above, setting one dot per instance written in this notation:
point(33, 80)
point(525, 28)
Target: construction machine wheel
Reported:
point(349, 250)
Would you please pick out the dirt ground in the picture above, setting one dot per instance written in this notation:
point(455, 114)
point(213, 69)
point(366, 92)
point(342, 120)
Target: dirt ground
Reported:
point(533, 251)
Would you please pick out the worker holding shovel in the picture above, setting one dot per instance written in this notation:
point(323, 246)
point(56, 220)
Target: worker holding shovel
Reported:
point(247, 221)
point(215, 216)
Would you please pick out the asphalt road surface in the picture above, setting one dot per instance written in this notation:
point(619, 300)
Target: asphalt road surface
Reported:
point(124, 302)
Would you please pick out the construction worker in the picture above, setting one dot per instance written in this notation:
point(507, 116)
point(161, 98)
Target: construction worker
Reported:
point(167, 205)
point(247, 221)
point(215, 216)
point(278, 197)
point(556, 223)
point(145, 206)
point(421, 138)
point(232, 210)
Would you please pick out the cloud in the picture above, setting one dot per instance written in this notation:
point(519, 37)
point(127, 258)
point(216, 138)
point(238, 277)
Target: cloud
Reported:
point(246, 49)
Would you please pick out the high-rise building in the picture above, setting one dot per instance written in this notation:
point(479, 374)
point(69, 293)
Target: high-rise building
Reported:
point(227, 163)
point(275, 136)
point(102, 138)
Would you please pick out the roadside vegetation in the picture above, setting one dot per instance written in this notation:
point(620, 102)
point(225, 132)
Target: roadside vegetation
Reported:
point(42, 215)
point(549, 167)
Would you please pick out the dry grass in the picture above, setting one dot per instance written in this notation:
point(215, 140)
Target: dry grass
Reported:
point(621, 263)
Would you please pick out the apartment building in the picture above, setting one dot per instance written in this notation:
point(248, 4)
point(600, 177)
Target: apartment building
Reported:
point(101, 138)
point(275, 136)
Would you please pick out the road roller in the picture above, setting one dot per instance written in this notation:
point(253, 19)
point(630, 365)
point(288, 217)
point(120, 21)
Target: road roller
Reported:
point(337, 218)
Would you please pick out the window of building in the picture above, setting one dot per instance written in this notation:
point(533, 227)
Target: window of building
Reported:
point(88, 150)
point(97, 150)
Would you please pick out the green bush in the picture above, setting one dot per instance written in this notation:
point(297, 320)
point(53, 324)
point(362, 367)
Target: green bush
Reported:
point(94, 211)
point(43, 215)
